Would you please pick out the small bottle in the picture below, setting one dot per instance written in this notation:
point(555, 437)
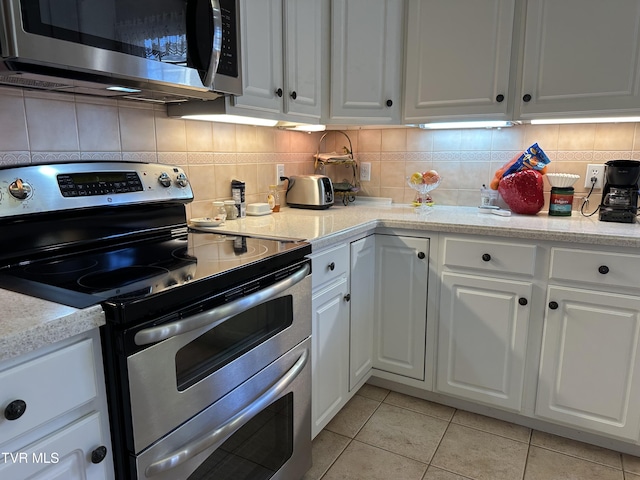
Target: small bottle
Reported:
point(219, 210)
point(273, 198)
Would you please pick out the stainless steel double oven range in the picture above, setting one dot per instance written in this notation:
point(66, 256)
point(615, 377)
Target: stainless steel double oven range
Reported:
point(206, 345)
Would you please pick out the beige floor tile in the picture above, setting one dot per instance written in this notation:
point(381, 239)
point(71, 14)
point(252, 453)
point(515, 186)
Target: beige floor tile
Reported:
point(373, 392)
point(420, 405)
point(547, 465)
point(631, 463)
point(353, 416)
point(631, 476)
point(577, 449)
point(364, 462)
point(326, 448)
point(404, 432)
point(480, 455)
point(434, 473)
point(492, 425)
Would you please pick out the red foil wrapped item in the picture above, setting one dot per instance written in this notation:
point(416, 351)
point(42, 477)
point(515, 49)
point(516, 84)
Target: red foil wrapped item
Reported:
point(523, 191)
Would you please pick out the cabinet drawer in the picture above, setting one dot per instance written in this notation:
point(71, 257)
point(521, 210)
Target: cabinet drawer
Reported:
point(601, 268)
point(499, 257)
point(49, 385)
point(329, 264)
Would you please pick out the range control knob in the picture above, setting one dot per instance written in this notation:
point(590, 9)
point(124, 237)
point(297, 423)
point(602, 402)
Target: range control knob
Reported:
point(164, 179)
point(20, 189)
point(182, 180)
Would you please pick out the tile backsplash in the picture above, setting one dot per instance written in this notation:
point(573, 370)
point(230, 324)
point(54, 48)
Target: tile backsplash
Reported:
point(39, 127)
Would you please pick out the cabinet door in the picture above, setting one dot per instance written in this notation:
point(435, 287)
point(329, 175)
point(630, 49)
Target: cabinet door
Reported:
point(590, 363)
point(458, 57)
point(366, 61)
point(303, 48)
point(580, 56)
point(64, 455)
point(482, 338)
point(362, 278)
point(330, 353)
point(401, 305)
point(262, 57)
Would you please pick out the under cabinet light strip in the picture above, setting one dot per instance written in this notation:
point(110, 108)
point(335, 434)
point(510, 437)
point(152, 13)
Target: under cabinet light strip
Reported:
point(476, 124)
point(563, 121)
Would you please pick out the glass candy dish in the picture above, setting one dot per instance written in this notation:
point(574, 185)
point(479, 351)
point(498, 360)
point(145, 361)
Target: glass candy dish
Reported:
point(423, 201)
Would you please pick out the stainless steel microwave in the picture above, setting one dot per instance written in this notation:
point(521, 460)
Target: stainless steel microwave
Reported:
point(157, 50)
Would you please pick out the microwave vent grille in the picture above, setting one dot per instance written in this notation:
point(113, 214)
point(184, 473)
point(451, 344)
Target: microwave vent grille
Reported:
point(20, 81)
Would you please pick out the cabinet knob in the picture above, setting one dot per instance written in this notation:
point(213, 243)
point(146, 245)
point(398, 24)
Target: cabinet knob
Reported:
point(15, 410)
point(553, 305)
point(603, 269)
point(279, 92)
point(526, 98)
point(523, 301)
point(293, 95)
point(500, 98)
point(99, 454)
point(486, 257)
point(421, 255)
point(331, 266)
point(389, 103)
point(347, 297)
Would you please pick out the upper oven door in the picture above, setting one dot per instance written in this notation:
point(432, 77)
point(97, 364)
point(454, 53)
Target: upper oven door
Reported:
point(175, 42)
point(172, 380)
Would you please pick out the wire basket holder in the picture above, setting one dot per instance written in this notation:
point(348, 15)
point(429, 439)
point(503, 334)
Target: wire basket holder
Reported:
point(346, 189)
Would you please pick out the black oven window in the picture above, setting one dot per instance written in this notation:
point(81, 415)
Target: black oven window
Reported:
point(231, 339)
point(256, 451)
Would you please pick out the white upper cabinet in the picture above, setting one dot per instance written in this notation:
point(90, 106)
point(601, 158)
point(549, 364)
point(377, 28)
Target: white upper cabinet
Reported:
point(458, 57)
point(366, 61)
point(580, 57)
point(281, 60)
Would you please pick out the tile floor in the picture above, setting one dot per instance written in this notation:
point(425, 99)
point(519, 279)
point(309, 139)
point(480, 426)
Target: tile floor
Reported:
point(382, 435)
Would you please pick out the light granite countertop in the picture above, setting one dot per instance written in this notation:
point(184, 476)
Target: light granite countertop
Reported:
point(28, 323)
point(324, 227)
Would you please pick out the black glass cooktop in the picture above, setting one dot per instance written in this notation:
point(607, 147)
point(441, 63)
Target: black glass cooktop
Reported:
point(189, 265)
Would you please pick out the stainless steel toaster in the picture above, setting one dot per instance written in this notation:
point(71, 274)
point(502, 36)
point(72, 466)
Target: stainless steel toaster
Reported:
point(309, 191)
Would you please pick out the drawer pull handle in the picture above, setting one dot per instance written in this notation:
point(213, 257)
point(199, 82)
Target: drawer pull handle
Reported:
point(389, 103)
point(500, 98)
point(523, 301)
point(421, 255)
point(553, 305)
point(279, 92)
point(99, 454)
point(293, 95)
point(486, 257)
point(603, 269)
point(347, 297)
point(526, 98)
point(15, 410)
point(332, 266)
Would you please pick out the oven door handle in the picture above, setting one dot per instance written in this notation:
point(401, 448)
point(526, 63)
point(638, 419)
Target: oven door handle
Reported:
point(224, 431)
point(219, 314)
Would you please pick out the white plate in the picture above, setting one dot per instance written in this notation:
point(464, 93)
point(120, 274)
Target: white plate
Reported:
point(206, 221)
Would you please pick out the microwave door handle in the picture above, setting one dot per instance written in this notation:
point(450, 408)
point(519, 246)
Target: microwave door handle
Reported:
point(206, 63)
point(224, 431)
point(219, 314)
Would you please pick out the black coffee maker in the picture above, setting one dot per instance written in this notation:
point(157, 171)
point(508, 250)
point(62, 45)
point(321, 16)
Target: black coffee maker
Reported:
point(620, 192)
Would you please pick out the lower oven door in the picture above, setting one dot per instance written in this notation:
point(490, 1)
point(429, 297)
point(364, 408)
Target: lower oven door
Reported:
point(174, 379)
point(261, 430)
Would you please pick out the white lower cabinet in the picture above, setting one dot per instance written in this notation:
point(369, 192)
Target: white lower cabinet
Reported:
point(330, 364)
point(362, 279)
point(482, 338)
point(590, 364)
point(55, 422)
point(402, 272)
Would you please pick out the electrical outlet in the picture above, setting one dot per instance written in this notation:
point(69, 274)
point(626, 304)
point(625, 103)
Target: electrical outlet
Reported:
point(279, 173)
point(597, 171)
point(365, 171)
